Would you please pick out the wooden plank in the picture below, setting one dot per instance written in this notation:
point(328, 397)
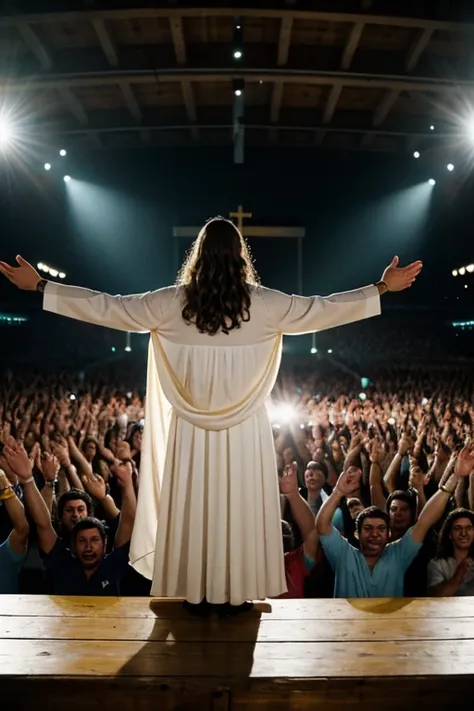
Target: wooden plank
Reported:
point(383, 109)
point(131, 101)
point(251, 231)
point(351, 44)
point(292, 661)
point(328, 609)
point(284, 40)
point(281, 76)
point(277, 95)
point(176, 27)
point(242, 630)
point(106, 40)
point(331, 103)
point(73, 104)
point(200, 12)
point(417, 49)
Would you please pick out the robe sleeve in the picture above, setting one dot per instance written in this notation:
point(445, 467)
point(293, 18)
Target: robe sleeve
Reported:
point(296, 315)
point(138, 312)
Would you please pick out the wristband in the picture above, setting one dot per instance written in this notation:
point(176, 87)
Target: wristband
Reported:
point(382, 287)
point(50, 483)
point(40, 286)
point(28, 481)
point(446, 490)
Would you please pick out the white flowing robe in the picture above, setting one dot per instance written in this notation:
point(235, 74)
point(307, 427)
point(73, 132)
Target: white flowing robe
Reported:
point(208, 517)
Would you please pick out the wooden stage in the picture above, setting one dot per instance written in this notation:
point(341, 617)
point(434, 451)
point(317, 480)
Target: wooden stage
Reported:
point(140, 654)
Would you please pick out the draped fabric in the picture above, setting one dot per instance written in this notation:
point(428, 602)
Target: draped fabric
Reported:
point(208, 515)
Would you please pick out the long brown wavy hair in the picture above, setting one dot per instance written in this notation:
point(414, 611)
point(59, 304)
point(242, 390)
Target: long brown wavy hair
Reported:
point(216, 277)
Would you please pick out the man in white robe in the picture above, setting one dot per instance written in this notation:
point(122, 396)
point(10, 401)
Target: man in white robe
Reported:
point(208, 517)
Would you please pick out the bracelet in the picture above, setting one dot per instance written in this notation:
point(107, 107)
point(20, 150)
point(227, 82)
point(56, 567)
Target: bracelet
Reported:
point(50, 483)
point(382, 287)
point(40, 286)
point(27, 481)
point(446, 490)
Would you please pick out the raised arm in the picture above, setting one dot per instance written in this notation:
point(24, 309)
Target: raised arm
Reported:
point(123, 473)
point(348, 482)
point(377, 495)
point(305, 314)
point(18, 538)
point(138, 312)
point(23, 468)
point(436, 506)
point(302, 514)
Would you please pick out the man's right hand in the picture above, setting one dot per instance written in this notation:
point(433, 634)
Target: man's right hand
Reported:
point(349, 481)
point(24, 276)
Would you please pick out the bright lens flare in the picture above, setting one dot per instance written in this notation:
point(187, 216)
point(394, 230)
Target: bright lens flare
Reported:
point(6, 133)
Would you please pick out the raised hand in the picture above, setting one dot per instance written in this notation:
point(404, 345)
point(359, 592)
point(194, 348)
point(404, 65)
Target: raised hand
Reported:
point(95, 486)
point(24, 276)
point(49, 466)
point(349, 481)
point(17, 459)
point(289, 481)
point(465, 461)
point(123, 472)
point(399, 278)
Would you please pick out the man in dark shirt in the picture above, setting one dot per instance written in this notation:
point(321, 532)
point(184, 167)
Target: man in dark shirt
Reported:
point(85, 569)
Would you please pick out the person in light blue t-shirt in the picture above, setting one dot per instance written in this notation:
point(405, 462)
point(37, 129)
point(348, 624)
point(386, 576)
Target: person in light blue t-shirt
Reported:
point(13, 550)
point(378, 568)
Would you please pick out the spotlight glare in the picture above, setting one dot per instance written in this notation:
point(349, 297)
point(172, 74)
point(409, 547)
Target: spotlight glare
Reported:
point(128, 349)
point(329, 350)
point(67, 178)
point(113, 349)
point(45, 268)
point(313, 350)
point(462, 271)
point(40, 266)
point(47, 166)
point(6, 132)
point(416, 154)
point(470, 268)
point(465, 286)
point(362, 396)
point(237, 54)
point(450, 167)
point(432, 181)
point(431, 127)
point(62, 152)
point(455, 272)
point(61, 275)
point(238, 92)
point(53, 272)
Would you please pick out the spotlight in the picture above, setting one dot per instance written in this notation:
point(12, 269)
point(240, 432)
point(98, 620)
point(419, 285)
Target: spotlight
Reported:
point(465, 286)
point(45, 268)
point(416, 154)
point(61, 275)
point(128, 349)
point(6, 133)
point(238, 92)
point(432, 181)
point(431, 127)
point(450, 167)
point(329, 350)
point(113, 349)
point(454, 272)
point(67, 178)
point(40, 266)
point(62, 152)
point(362, 396)
point(47, 166)
point(391, 421)
point(470, 268)
point(313, 350)
point(53, 272)
point(283, 413)
point(237, 54)
point(72, 396)
point(462, 271)
point(238, 27)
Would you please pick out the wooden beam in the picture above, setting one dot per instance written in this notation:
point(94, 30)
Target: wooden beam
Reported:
point(331, 103)
point(199, 12)
point(34, 44)
point(176, 27)
point(106, 40)
point(284, 40)
point(131, 101)
point(314, 78)
point(417, 48)
point(190, 105)
point(74, 105)
point(277, 95)
point(351, 44)
point(382, 110)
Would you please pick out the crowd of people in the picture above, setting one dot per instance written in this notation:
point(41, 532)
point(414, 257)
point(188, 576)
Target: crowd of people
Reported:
point(376, 483)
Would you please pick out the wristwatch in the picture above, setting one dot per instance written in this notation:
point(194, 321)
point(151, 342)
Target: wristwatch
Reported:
point(40, 286)
point(382, 287)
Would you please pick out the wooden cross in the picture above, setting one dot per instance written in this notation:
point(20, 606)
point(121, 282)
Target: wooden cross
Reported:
point(240, 215)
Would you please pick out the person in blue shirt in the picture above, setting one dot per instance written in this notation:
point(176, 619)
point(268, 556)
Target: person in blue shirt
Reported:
point(378, 568)
point(13, 549)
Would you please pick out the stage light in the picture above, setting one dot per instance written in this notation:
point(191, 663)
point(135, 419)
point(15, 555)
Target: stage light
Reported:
point(424, 402)
point(313, 350)
point(238, 27)
point(450, 167)
point(53, 273)
point(45, 269)
point(6, 132)
point(329, 350)
point(61, 275)
point(431, 127)
point(72, 396)
point(47, 166)
point(362, 396)
point(283, 413)
point(391, 421)
point(432, 181)
point(40, 266)
point(62, 152)
point(238, 92)
point(67, 178)
point(237, 54)
point(128, 349)
point(465, 286)
point(113, 349)
point(470, 268)
point(454, 272)
point(462, 271)
point(416, 154)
